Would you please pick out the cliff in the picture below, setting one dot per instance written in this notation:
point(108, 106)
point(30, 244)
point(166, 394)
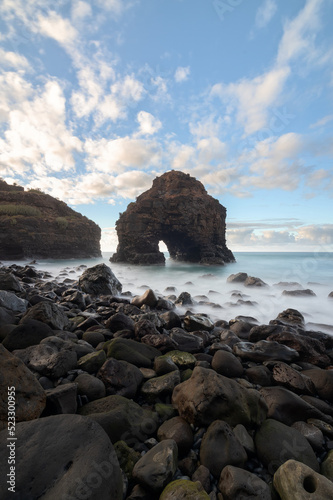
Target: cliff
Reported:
point(178, 211)
point(36, 225)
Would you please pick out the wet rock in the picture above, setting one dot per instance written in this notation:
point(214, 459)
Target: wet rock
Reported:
point(259, 375)
point(194, 322)
point(253, 281)
point(180, 431)
point(122, 419)
point(299, 293)
point(9, 282)
point(181, 359)
point(239, 484)
point(287, 407)
point(309, 349)
point(90, 386)
point(323, 382)
point(185, 341)
point(31, 332)
point(61, 399)
point(171, 320)
point(237, 278)
point(93, 338)
point(185, 490)
point(286, 376)
point(148, 298)
point(202, 475)
point(220, 447)
point(229, 338)
point(322, 406)
point(127, 457)
point(311, 433)
point(164, 364)
point(120, 377)
point(100, 280)
point(119, 321)
point(290, 317)
point(261, 332)
point(92, 362)
point(49, 313)
point(6, 317)
point(13, 303)
point(144, 327)
point(129, 350)
point(184, 299)
point(157, 467)
point(208, 396)
point(67, 441)
point(299, 482)
point(264, 351)
point(160, 341)
point(160, 386)
point(30, 398)
point(276, 443)
point(226, 363)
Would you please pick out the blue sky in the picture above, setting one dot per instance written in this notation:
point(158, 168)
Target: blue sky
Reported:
point(98, 97)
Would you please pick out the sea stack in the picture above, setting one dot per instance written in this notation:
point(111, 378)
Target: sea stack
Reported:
point(178, 211)
point(36, 225)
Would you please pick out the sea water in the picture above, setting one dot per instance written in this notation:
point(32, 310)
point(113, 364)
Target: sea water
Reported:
point(222, 300)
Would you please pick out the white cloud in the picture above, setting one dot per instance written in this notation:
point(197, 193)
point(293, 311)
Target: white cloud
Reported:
point(14, 89)
point(265, 13)
point(13, 59)
point(211, 149)
point(149, 125)
point(322, 122)
point(109, 239)
point(58, 28)
point(182, 73)
point(80, 10)
point(131, 184)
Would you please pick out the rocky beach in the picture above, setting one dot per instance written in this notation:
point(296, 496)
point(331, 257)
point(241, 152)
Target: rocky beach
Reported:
point(122, 396)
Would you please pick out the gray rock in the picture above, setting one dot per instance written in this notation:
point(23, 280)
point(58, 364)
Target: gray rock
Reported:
point(239, 484)
point(286, 376)
point(100, 280)
point(185, 341)
point(181, 359)
point(244, 438)
point(160, 386)
point(164, 364)
point(90, 386)
point(208, 396)
point(49, 313)
point(252, 281)
point(157, 467)
point(8, 281)
point(30, 398)
point(179, 430)
point(134, 352)
point(311, 433)
point(6, 317)
point(237, 278)
point(120, 377)
point(327, 466)
point(13, 303)
point(92, 362)
point(29, 333)
point(259, 375)
point(323, 382)
point(61, 399)
point(276, 443)
point(226, 363)
point(299, 293)
point(264, 351)
point(184, 299)
point(119, 321)
point(220, 447)
point(299, 482)
point(62, 456)
point(93, 338)
point(195, 322)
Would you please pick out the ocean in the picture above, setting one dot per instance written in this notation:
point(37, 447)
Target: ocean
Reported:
point(221, 300)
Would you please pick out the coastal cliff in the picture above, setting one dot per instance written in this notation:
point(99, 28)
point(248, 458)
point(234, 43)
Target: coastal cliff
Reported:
point(36, 225)
point(178, 211)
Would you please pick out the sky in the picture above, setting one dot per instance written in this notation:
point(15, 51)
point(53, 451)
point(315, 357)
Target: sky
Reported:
point(97, 98)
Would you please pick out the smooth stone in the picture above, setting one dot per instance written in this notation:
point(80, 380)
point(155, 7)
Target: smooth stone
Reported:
point(208, 396)
point(312, 434)
point(297, 481)
point(185, 341)
point(122, 419)
point(32, 332)
point(276, 443)
point(157, 467)
point(171, 320)
point(160, 341)
point(63, 457)
point(93, 338)
point(287, 407)
point(184, 490)
point(237, 278)
point(244, 438)
point(160, 386)
point(195, 322)
point(120, 377)
point(226, 363)
point(291, 317)
point(134, 352)
point(259, 375)
point(202, 475)
point(90, 386)
point(264, 351)
point(163, 365)
point(239, 484)
point(13, 303)
point(6, 317)
point(299, 293)
point(49, 313)
point(309, 349)
point(253, 281)
point(180, 431)
point(184, 299)
point(220, 447)
point(92, 362)
point(323, 382)
point(100, 280)
point(8, 281)
point(119, 321)
point(30, 397)
point(148, 298)
point(326, 467)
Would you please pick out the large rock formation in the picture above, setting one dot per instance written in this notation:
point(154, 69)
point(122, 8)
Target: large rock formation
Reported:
point(36, 225)
point(178, 211)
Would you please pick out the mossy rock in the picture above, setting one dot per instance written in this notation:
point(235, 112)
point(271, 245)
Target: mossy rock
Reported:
point(127, 457)
point(182, 359)
point(134, 352)
point(183, 489)
point(165, 411)
point(92, 362)
point(186, 374)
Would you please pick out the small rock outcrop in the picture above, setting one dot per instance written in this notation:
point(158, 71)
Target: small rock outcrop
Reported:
point(178, 211)
point(36, 225)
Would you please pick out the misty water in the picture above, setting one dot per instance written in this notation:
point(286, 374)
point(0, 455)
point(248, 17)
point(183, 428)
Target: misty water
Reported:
point(219, 299)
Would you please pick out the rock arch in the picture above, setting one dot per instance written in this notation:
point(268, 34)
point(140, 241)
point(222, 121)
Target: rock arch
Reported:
point(178, 211)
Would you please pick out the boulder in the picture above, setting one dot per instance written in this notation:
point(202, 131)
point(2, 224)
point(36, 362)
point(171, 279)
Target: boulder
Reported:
point(61, 399)
point(298, 481)
point(177, 210)
point(292, 379)
point(49, 313)
point(13, 303)
point(92, 362)
point(207, 396)
point(237, 278)
point(148, 298)
point(160, 386)
point(119, 321)
point(90, 386)
point(179, 430)
point(323, 382)
point(239, 484)
point(184, 490)
point(120, 377)
point(185, 341)
point(30, 397)
point(29, 333)
point(157, 467)
point(264, 351)
point(252, 281)
point(100, 280)
point(129, 350)
point(226, 363)
point(276, 443)
point(8, 281)
point(63, 456)
point(220, 447)
point(194, 322)
point(309, 349)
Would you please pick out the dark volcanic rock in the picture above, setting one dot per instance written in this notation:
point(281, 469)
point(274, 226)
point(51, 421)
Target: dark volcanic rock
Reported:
point(62, 456)
point(177, 210)
point(100, 280)
point(34, 224)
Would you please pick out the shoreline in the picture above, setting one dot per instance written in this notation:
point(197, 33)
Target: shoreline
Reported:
point(138, 366)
